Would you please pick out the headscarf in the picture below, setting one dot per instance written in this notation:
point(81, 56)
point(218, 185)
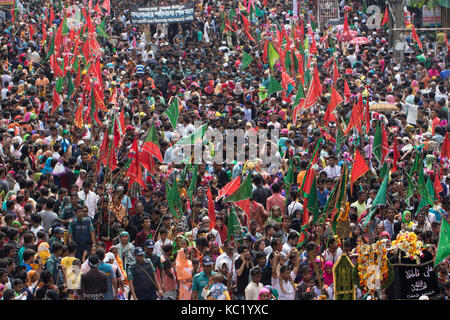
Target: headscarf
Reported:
point(108, 257)
point(183, 267)
point(262, 291)
point(409, 223)
point(328, 278)
point(48, 166)
point(30, 275)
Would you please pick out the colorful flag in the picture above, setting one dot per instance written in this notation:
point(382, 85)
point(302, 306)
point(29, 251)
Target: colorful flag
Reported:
point(245, 191)
point(229, 188)
point(380, 199)
point(358, 170)
point(274, 86)
point(234, 227)
point(194, 137)
point(173, 113)
point(443, 249)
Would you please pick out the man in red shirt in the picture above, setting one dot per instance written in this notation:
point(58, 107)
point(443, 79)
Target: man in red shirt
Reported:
point(276, 199)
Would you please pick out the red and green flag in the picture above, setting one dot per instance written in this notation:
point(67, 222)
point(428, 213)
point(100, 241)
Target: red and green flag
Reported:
point(245, 191)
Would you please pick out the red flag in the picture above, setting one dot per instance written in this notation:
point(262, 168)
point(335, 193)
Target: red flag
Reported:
point(445, 149)
point(286, 80)
point(52, 16)
point(315, 90)
point(211, 209)
point(107, 6)
point(134, 171)
point(416, 37)
point(335, 72)
point(56, 100)
point(79, 117)
point(437, 184)
point(346, 29)
point(396, 156)
point(31, 31)
point(385, 17)
point(347, 92)
point(264, 57)
point(245, 22)
point(245, 205)
point(313, 48)
point(229, 188)
point(367, 116)
point(97, 9)
point(335, 100)
point(328, 63)
point(358, 170)
point(356, 117)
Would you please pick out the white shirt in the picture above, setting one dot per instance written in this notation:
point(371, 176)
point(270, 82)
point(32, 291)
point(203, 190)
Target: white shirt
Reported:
point(90, 201)
point(159, 244)
point(289, 293)
point(252, 290)
point(287, 249)
point(333, 258)
point(411, 118)
point(224, 258)
point(332, 172)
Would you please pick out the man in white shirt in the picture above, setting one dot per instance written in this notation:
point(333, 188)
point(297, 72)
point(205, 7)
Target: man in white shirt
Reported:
point(228, 257)
point(254, 286)
point(90, 198)
point(332, 170)
point(292, 240)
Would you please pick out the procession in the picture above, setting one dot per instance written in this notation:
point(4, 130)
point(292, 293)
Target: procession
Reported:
point(224, 150)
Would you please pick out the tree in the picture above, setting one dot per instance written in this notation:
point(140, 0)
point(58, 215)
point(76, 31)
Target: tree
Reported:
point(430, 4)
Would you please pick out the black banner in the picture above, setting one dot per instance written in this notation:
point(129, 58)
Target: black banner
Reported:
point(414, 280)
point(163, 14)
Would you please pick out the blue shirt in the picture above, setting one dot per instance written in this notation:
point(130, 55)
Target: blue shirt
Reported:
point(109, 271)
point(322, 197)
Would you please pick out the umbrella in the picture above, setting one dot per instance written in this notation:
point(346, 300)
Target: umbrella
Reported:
point(347, 36)
point(360, 40)
point(386, 107)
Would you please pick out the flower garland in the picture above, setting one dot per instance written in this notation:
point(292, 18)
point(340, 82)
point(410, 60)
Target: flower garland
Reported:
point(372, 270)
point(407, 242)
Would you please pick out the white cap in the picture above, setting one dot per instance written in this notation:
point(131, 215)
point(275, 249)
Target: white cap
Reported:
point(424, 298)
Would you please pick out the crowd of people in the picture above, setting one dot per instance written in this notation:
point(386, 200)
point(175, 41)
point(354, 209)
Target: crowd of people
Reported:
point(74, 227)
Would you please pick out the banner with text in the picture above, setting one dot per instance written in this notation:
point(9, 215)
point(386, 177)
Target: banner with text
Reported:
point(163, 14)
point(6, 2)
point(414, 280)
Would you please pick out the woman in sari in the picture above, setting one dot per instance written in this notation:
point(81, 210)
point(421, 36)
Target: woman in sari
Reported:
point(184, 270)
point(117, 207)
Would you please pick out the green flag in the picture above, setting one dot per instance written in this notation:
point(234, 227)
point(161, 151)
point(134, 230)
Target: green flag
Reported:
point(274, 86)
point(341, 196)
point(101, 30)
point(184, 174)
point(246, 60)
point(288, 60)
point(233, 226)
point(173, 199)
point(409, 177)
point(193, 184)
point(245, 190)
point(443, 250)
point(289, 177)
point(380, 199)
point(430, 190)
point(232, 14)
point(193, 137)
point(70, 85)
point(378, 139)
point(273, 55)
point(300, 94)
point(173, 113)
point(59, 84)
point(313, 204)
point(51, 48)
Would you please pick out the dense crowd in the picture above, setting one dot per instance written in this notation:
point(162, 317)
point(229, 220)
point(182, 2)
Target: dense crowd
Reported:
point(76, 226)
